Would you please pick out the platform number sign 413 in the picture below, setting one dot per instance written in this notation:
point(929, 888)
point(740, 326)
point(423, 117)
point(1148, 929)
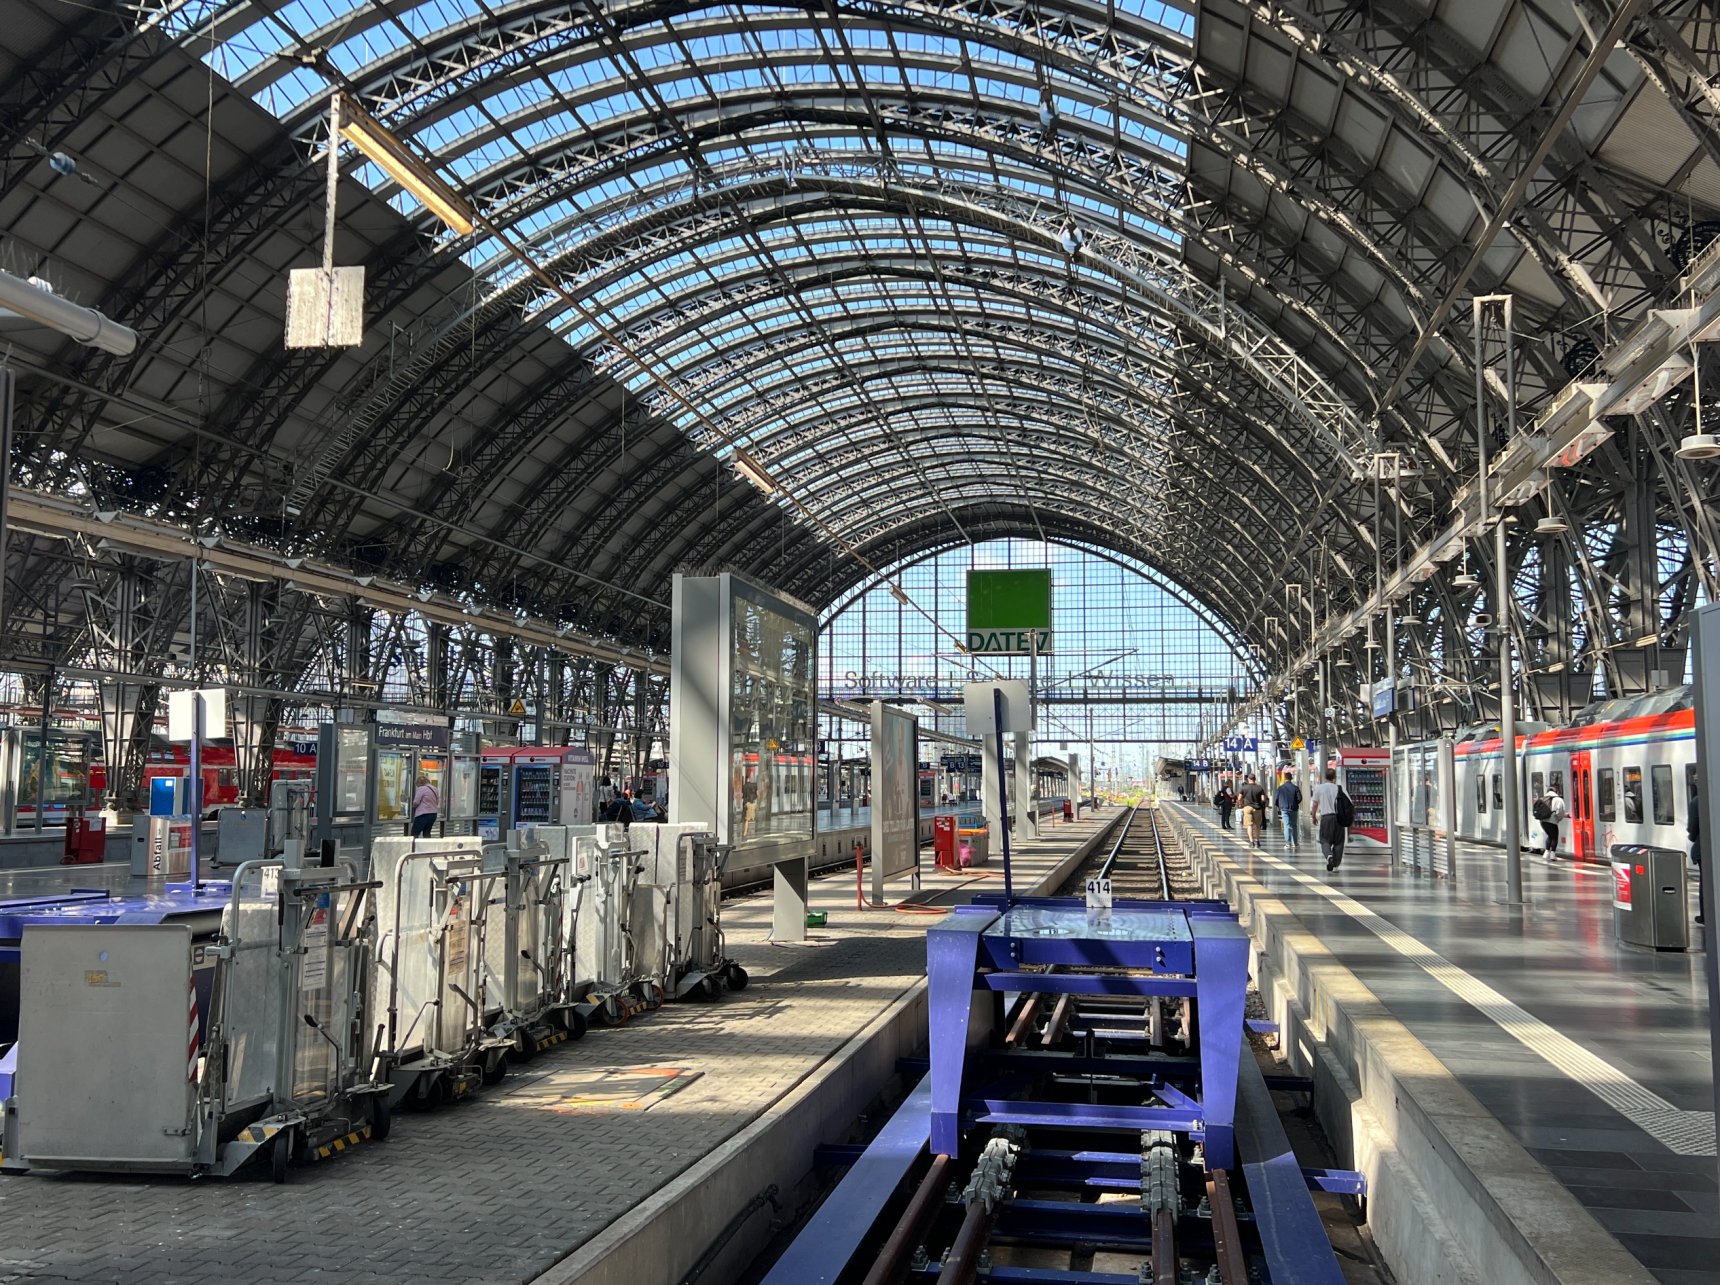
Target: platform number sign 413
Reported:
point(1098, 894)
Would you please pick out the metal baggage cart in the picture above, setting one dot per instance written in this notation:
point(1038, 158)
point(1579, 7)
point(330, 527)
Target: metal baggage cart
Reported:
point(432, 1011)
point(277, 1067)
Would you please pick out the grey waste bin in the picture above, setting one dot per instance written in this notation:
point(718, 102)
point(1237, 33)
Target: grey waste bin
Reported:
point(1650, 906)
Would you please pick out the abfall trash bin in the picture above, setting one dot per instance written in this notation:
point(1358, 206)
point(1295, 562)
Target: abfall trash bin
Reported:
point(1650, 905)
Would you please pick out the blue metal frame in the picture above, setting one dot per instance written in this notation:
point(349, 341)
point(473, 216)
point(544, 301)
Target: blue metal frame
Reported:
point(983, 952)
point(830, 1238)
point(1291, 1233)
point(981, 949)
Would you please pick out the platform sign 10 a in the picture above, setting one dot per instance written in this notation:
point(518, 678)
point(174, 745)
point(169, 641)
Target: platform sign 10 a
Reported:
point(1009, 612)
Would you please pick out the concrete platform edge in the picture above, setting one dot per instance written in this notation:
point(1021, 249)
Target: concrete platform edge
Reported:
point(662, 1237)
point(1453, 1196)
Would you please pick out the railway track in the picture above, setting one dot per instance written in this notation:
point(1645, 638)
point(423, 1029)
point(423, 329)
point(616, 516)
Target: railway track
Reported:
point(1145, 862)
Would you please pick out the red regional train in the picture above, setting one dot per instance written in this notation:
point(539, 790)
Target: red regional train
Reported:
point(294, 761)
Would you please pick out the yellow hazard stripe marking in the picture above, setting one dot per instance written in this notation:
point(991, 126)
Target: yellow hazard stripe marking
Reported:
point(341, 1144)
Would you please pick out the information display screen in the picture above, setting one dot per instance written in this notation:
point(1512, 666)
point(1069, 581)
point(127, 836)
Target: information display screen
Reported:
point(895, 793)
point(352, 771)
point(773, 732)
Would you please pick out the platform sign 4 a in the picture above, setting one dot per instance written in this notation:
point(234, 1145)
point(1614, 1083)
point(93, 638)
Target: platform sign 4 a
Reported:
point(1009, 612)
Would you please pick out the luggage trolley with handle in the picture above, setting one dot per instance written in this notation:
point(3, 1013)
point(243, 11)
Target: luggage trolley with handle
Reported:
point(432, 1009)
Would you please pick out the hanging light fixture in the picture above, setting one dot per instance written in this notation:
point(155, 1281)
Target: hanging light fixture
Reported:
point(1551, 525)
point(1463, 580)
point(1699, 445)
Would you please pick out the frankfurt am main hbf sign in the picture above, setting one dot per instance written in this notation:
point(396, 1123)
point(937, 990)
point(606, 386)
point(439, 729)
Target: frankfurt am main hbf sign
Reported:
point(1009, 612)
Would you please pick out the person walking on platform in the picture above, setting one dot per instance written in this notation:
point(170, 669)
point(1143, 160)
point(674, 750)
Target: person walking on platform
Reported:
point(1253, 800)
point(1549, 810)
point(1289, 802)
point(426, 803)
point(1334, 813)
point(1694, 830)
point(1225, 802)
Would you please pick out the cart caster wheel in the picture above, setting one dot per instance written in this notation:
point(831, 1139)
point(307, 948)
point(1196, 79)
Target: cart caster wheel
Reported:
point(737, 978)
point(575, 1022)
point(432, 1093)
point(612, 1012)
point(282, 1153)
point(381, 1117)
point(654, 996)
point(524, 1049)
point(709, 988)
point(495, 1074)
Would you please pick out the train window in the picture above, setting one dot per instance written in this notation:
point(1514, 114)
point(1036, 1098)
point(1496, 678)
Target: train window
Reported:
point(1689, 791)
point(1608, 803)
point(1498, 791)
point(1633, 796)
point(1537, 785)
point(1660, 781)
point(1556, 781)
point(1481, 791)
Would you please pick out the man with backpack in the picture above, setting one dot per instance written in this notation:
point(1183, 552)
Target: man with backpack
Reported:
point(1549, 810)
point(1252, 800)
point(1334, 813)
point(1289, 800)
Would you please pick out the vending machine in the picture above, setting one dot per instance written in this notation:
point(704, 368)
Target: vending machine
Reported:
point(495, 793)
point(537, 790)
point(552, 785)
point(1362, 772)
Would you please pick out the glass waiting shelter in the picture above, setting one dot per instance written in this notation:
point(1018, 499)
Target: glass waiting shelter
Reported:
point(35, 798)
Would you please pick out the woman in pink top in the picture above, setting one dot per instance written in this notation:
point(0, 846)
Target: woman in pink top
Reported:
point(425, 804)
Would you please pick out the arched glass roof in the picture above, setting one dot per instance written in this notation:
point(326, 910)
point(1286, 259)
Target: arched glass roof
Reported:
point(914, 261)
point(1162, 279)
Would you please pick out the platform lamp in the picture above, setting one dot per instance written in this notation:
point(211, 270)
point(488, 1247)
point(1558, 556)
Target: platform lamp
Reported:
point(1698, 445)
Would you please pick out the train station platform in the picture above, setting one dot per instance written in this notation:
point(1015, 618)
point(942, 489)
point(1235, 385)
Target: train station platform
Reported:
point(1531, 1099)
point(620, 1158)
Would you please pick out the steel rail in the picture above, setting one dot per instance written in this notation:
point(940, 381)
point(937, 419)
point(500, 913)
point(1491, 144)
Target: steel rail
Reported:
point(891, 1265)
point(1105, 870)
point(1159, 851)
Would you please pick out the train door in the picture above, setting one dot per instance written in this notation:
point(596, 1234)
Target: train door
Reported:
point(1582, 808)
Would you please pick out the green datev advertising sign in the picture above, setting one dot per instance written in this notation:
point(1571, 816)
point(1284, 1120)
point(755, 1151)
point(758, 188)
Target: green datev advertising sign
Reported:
point(1007, 610)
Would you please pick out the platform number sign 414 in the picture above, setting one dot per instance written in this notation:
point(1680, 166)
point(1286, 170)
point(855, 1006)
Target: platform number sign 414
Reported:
point(1098, 894)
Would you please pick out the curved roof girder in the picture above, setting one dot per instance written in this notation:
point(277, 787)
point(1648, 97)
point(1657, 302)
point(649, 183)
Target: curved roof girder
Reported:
point(772, 450)
point(1106, 46)
point(880, 476)
point(1065, 323)
point(1309, 35)
point(1197, 308)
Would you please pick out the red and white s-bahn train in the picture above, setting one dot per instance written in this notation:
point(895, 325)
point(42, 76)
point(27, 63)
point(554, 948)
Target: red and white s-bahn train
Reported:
point(1626, 769)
